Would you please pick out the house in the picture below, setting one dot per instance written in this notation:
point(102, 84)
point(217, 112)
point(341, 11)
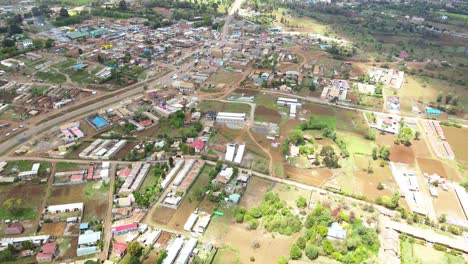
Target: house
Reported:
point(124, 172)
point(47, 252)
point(64, 208)
point(336, 232)
point(198, 145)
point(119, 249)
point(225, 175)
point(184, 87)
point(89, 238)
point(122, 229)
point(14, 229)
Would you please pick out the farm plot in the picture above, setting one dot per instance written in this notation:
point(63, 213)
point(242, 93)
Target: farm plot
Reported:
point(162, 215)
point(263, 114)
point(225, 77)
point(313, 177)
point(255, 191)
point(402, 154)
point(458, 140)
point(431, 166)
point(30, 196)
point(356, 144)
point(417, 253)
point(53, 229)
point(447, 203)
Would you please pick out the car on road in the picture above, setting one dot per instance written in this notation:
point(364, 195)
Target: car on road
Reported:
point(174, 77)
point(7, 134)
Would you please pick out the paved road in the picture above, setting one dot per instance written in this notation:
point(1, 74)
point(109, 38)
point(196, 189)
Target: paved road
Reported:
point(66, 117)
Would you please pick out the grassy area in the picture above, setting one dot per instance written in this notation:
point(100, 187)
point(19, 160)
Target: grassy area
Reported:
point(356, 144)
point(20, 214)
point(302, 24)
point(67, 166)
point(225, 77)
point(329, 121)
point(415, 253)
point(26, 165)
point(224, 107)
point(51, 76)
point(267, 101)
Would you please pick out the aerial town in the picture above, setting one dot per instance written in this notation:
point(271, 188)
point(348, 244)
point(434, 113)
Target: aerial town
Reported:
point(233, 131)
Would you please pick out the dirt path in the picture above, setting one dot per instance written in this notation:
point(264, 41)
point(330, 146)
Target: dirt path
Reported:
point(270, 166)
point(50, 180)
point(107, 226)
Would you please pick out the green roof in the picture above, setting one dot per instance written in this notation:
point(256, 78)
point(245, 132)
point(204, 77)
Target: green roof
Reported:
point(234, 197)
point(77, 34)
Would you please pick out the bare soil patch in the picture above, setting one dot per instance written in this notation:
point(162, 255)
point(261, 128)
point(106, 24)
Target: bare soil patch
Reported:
point(164, 239)
point(447, 203)
point(402, 154)
point(313, 177)
point(162, 215)
point(256, 188)
point(436, 166)
point(267, 115)
point(53, 229)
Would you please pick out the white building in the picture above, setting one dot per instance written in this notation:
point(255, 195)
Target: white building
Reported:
point(63, 208)
point(231, 119)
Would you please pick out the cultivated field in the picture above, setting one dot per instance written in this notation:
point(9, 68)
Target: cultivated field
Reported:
point(30, 194)
point(458, 140)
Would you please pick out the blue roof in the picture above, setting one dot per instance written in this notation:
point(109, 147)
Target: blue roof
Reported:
point(433, 111)
point(89, 237)
point(335, 231)
point(86, 250)
point(99, 122)
point(84, 225)
point(234, 197)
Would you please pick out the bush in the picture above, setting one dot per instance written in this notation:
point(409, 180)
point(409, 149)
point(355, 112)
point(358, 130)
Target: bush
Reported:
point(380, 186)
point(301, 202)
point(301, 242)
point(295, 252)
point(311, 251)
point(440, 247)
point(328, 247)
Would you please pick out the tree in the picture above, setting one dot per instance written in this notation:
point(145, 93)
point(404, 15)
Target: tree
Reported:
point(301, 202)
point(297, 137)
point(328, 247)
point(282, 260)
point(122, 5)
point(134, 248)
point(27, 244)
point(380, 186)
point(171, 162)
point(162, 256)
point(375, 155)
point(311, 251)
point(64, 12)
point(15, 29)
point(440, 96)
point(295, 252)
point(49, 43)
point(6, 43)
point(385, 152)
point(405, 135)
point(38, 43)
point(416, 135)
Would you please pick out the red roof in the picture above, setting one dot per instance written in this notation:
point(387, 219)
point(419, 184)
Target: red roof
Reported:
point(44, 255)
point(146, 123)
point(77, 177)
point(90, 172)
point(198, 144)
point(49, 248)
point(126, 227)
point(124, 172)
point(119, 248)
point(404, 54)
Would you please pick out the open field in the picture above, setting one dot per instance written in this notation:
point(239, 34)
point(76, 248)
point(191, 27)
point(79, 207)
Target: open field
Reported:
point(68, 166)
point(51, 76)
point(458, 140)
point(254, 192)
point(30, 194)
point(95, 200)
point(447, 203)
point(416, 253)
point(224, 232)
point(301, 24)
point(225, 77)
point(356, 144)
point(313, 177)
point(263, 114)
point(162, 215)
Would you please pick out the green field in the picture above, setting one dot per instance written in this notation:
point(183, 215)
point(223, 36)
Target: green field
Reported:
point(224, 107)
point(25, 165)
point(67, 166)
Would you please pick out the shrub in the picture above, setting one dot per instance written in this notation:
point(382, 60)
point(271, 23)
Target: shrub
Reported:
point(380, 186)
point(282, 260)
point(440, 247)
point(311, 251)
point(301, 202)
point(295, 252)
